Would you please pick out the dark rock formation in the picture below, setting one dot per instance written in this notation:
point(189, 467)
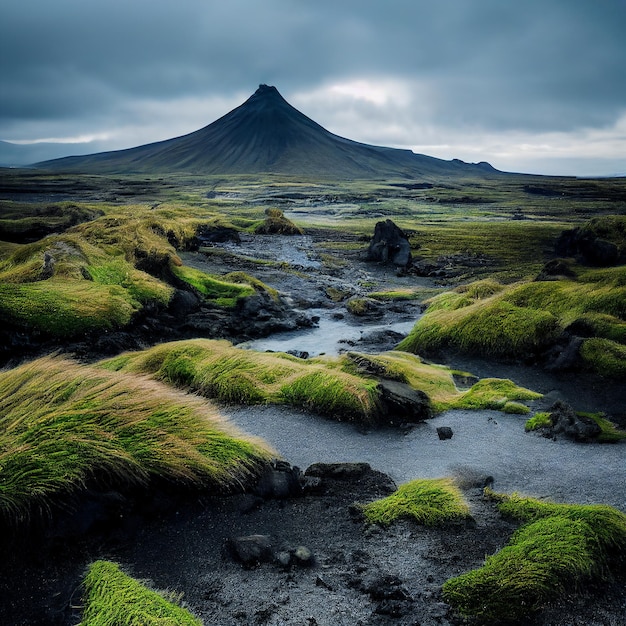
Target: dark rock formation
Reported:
point(280, 480)
point(557, 269)
point(402, 403)
point(390, 245)
point(589, 247)
point(251, 550)
point(566, 422)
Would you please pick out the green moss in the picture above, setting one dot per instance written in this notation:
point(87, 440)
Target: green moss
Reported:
point(221, 292)
point(538, 421)
point(112, 597)
point(604, 356)
point(430, 502)
point(494, 393)
point(559, 548)
point(541, 562)
point(63, 424)
point(515, 408)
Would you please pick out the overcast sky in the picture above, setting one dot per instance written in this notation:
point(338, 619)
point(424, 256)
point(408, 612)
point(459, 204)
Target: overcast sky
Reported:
point(529, 85)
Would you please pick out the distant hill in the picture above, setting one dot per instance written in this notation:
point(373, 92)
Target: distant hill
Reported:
point(266, 134)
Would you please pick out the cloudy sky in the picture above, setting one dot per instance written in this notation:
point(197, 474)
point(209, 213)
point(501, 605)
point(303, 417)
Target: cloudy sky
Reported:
point(533, 85)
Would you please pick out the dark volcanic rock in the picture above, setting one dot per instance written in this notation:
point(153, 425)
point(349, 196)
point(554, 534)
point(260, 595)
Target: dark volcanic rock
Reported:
point(444, 432)
point(389, 245)
point(566, 422)
point(251, 550)
point(402, 403)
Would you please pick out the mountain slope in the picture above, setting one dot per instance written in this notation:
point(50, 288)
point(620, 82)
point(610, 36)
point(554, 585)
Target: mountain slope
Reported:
point(266, 134)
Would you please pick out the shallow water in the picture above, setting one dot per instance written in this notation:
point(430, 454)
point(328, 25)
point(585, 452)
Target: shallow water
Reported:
point(484, 442)
point(331, 336)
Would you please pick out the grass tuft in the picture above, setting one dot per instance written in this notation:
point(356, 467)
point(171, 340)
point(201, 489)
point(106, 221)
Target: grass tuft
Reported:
point(112, 598)
point(430, 502)
point(66, 426)
point(517, 320)
point(560, 548)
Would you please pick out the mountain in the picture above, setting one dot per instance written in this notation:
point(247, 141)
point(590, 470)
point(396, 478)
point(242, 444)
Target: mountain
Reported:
point(266, 134)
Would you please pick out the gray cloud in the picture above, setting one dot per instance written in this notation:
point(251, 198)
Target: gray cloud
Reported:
point(123, 69)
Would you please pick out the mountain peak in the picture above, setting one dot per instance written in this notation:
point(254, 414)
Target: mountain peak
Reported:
point(266, 90)
point(265, 134)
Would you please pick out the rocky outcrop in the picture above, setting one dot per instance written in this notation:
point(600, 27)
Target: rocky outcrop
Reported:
point(390, 245)
point(565, 422)
point(401, 403)
point(589, 247)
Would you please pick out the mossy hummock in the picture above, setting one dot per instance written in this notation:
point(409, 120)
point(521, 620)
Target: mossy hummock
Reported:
point(430, 502)
point(559, 549)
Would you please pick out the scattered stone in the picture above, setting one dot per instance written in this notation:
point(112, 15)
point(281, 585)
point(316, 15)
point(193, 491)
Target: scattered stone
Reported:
point(300, 354)
point(320, 582)
point(280, 480)
point(338, 471)
point(251, 550)
point(444, 432)
point(303, 556)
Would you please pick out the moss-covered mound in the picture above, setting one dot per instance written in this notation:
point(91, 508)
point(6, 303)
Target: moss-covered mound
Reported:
point(523, 319)
point(276, 223)
point(559, 549)
point(608, 433)
point(430, 502)
point(216, 369)
point(344, 388)
point(66, 427)
point(112, 597)
point(98, 275)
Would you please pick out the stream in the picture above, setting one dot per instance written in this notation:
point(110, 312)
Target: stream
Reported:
point(485, 443)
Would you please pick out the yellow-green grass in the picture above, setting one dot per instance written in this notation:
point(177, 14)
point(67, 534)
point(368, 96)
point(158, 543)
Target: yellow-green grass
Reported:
point(216, 369)
point(218, 291)
point(338, 387)
point(91, 277)
point(559, 549)
point(64, 426)
point(429, 502)
point(437, 382)
point(515, 320)
point(113, 598)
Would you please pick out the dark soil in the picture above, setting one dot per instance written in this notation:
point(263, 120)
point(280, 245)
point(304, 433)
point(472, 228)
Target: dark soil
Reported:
point(359, 574)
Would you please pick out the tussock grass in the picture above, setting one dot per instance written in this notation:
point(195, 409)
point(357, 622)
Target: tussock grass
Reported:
point(97, 275)
point(430, 502)
point(113, 598)
point(65, 426)
point(342, 388)
point(216, 369)
point(559, 549)
point(516, 320)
